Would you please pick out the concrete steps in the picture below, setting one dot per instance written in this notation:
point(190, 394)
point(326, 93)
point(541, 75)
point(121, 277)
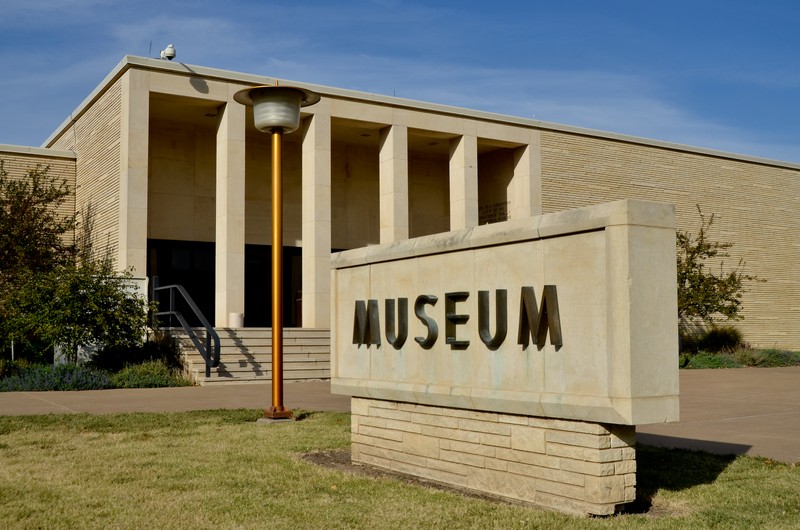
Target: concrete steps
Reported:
point(246, 356)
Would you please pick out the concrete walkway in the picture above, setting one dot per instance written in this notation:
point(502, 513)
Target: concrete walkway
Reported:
point(311, 395)
point(754, 411)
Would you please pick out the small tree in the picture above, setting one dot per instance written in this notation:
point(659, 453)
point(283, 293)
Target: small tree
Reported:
point(703, 293)
point(52, 291)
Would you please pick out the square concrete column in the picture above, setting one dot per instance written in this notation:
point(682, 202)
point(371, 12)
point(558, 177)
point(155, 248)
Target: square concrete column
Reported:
point(526, 185)
point(316, 224)
point(134, 138)
point(463, 182)
point(393, 174)
point(229, 282)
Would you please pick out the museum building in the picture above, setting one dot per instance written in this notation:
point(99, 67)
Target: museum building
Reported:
point(179, 180)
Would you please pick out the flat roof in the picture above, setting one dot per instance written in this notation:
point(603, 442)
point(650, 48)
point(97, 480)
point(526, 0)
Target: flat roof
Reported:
point(131, 61)
point(36, 151)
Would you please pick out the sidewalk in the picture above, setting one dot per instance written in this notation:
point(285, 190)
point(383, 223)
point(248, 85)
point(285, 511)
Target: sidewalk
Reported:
point(312, 395)
point(754, 411)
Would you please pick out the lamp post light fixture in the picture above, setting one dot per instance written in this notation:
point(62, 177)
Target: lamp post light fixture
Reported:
point(276, 110)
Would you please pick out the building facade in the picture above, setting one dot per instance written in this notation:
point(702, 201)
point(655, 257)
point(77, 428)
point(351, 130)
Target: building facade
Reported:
point(179, 179)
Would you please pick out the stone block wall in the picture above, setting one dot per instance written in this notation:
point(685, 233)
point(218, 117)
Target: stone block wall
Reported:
point(17, 161)
point(95, 138)
point(571, 466)
point(751, 200)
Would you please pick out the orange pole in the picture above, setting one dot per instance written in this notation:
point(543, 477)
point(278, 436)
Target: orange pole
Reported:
point(277, 411)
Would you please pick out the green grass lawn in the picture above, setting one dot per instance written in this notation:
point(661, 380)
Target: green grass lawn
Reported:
point(221, 470)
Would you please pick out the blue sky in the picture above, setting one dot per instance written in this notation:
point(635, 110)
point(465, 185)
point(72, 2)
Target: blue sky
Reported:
point(718, 74)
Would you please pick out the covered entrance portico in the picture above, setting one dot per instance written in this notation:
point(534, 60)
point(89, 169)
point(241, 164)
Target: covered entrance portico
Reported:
point(194, 201)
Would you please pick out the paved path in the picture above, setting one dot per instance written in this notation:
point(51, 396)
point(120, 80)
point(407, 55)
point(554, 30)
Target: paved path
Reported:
point(753, 411)
point(312, 395)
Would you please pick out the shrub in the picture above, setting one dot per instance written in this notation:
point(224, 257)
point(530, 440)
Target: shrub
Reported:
point(710, 360)
point(704, 293)
point(61, 377)
point(689, 342)
point(158, 347)
point(722, 338)
point(766, 358)
point(684, 359)
point(151, 374)
point(56, 289)
point(9, 368)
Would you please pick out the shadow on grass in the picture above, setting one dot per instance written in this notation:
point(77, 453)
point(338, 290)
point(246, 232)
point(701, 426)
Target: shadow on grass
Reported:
point(662, 468)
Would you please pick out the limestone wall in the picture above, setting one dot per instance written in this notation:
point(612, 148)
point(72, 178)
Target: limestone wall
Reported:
point(18, 160)
point(754, 205)
point(95, 138)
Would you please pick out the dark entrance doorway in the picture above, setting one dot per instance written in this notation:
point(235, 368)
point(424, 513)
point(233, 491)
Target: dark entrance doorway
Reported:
point(258, 286)
point(192, 264)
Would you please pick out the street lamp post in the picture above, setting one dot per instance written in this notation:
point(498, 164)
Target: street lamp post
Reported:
point(276, 110)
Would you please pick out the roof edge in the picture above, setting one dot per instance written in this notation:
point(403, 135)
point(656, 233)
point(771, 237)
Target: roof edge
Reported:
point(95, 94)
point(37, 151)
point(131, 61)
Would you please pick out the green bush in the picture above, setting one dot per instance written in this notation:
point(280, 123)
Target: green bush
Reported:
point(721, 339)
point(158, 347)
point(766, 358)
point(714, 340)
point(703, 293)
point(60, 377)
point(689, 343)
point(740, 357)
point(150, 374)
point(712, 360)
point(9, 367)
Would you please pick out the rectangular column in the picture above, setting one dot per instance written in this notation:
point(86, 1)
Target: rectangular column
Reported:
point(229, 280)
point(316, 224)
point(134, 138)
point(393, 173)
point(526, 185)
point(463, 182)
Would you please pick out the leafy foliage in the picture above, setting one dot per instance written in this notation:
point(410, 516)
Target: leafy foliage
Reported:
point(711, 360)
point(702, 292)
point(150, 374)
point(159, 346)
point(33, 236)
point(740, 357)
point(9, 368)
point(59, 377)
point(767, 358)
point(24, 377)
point(54, 291)
point(714, 340)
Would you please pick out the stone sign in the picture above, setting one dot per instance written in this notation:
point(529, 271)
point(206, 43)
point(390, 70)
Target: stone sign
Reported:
point(534, 342)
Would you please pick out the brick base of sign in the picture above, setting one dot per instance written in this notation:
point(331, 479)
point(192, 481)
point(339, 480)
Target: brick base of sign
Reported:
point(570, 466)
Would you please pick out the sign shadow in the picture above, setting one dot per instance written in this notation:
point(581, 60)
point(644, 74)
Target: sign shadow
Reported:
point(669, 463)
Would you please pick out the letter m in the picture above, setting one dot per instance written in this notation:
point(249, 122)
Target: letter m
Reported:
point(535, 322)
point(366, 324)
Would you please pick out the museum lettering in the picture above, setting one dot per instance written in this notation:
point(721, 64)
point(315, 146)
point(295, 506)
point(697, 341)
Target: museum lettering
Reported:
point(535, 320)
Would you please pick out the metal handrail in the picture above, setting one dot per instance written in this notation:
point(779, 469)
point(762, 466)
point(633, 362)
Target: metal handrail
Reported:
point(210, 352)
